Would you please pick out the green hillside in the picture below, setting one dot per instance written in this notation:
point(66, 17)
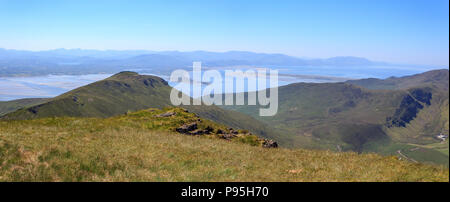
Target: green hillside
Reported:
point(330, 114)
point(128, 92)
point(146, 146)
point(10, 106)
point(346, 117)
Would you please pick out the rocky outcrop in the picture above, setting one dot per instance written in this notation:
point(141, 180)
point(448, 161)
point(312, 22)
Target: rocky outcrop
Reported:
point(192, 129)
point(269, 144)
point(409, 107)
point(209, 129)
point(187, 128)
point(167, 114)
point(226, 134)
point(422, 95)
point(232, 131)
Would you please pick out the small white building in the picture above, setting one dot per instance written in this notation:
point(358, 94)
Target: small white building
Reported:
point(442, 137)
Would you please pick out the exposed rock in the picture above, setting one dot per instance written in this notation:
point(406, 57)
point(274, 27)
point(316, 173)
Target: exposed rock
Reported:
point(228, 136)
point(219, 131)
point(269, 144)
point(410, 107)
point(232, 131)
point(167, 114)
point(406, 112)
point(197, 132)
point(186, 128)
point(208, 129)
point(423, 95)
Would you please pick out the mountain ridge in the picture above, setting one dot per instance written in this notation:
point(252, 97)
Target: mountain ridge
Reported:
point(78, 61)
point(126, 92)
point(439, 78)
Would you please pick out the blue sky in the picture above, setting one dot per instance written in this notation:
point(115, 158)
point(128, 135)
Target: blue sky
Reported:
point(398, 31)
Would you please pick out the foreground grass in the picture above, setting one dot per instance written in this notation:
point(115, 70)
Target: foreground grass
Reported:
point(139, 147)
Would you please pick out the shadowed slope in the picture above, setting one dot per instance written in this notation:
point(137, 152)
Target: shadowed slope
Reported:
point(13, 105)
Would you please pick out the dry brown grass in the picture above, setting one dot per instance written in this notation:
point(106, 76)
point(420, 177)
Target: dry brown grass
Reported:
point(80, 149)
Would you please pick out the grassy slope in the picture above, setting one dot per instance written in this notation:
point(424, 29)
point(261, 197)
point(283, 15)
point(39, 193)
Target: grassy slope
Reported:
point(327, 115)
point(141, 147)
point(128, 91)
point(431, 154)
point(13, 105)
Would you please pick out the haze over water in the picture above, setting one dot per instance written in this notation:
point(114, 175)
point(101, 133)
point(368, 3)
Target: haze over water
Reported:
point(12, 88)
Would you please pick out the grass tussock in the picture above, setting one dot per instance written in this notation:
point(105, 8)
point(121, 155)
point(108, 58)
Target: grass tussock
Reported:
point(141, 147)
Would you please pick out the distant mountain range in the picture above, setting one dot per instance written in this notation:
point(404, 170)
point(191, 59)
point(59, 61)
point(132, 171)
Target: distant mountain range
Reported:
point(78, 61)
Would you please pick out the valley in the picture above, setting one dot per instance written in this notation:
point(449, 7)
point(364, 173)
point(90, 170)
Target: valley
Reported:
point(369, 115)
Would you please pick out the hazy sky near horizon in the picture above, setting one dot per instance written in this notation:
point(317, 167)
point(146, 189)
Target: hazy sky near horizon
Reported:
point(397, 31)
